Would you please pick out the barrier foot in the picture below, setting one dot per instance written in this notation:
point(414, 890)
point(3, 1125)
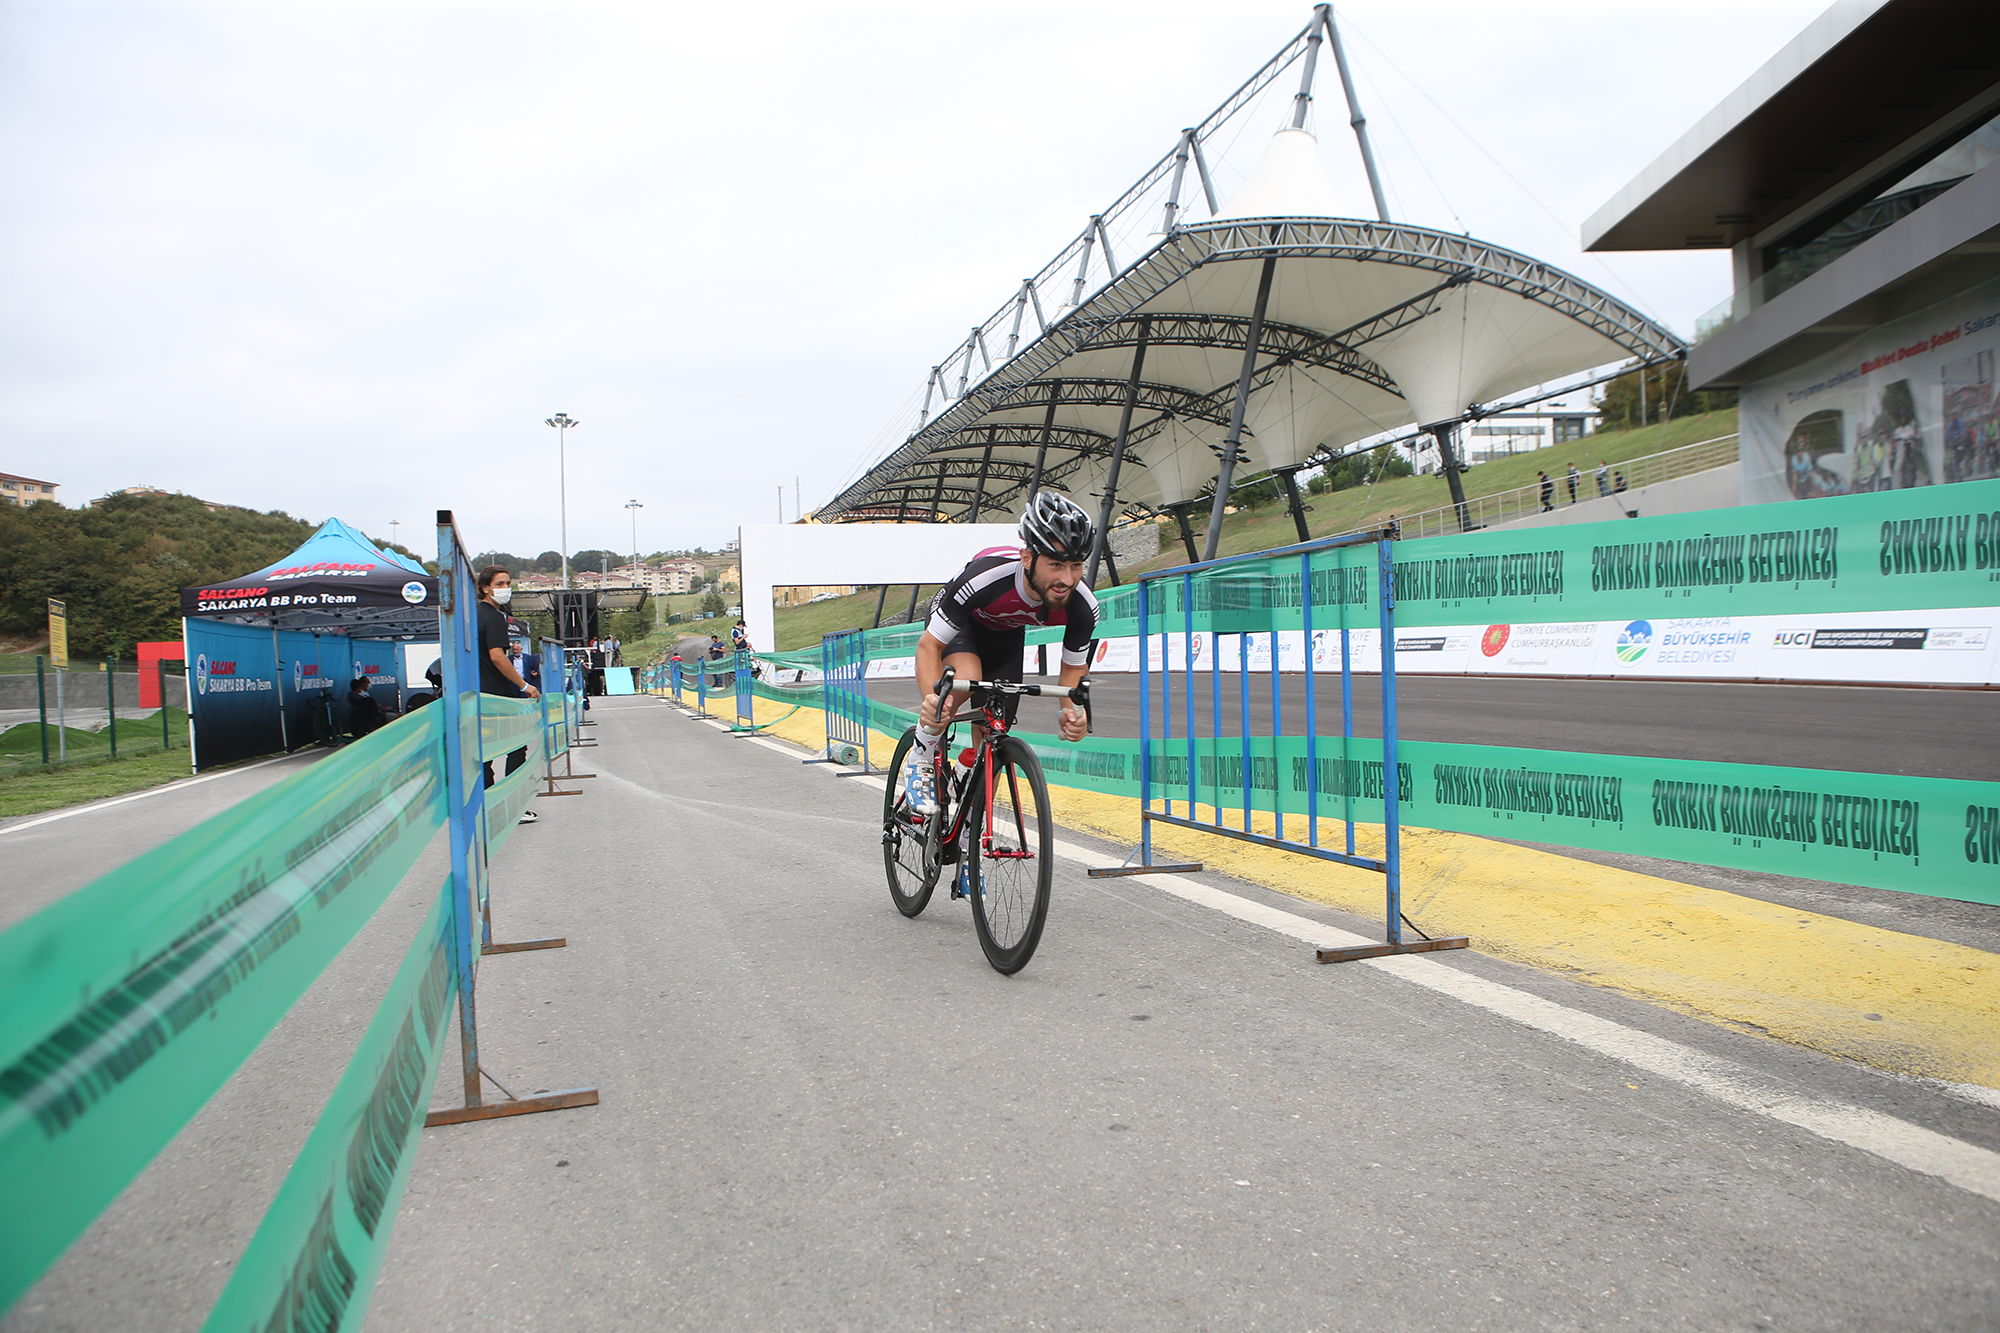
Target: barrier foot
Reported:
point(1385, 950)
point(554, 1101)
point(522, 946)
point(1164, 868)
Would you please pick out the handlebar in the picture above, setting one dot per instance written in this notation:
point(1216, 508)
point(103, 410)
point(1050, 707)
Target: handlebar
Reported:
point(1078, 693)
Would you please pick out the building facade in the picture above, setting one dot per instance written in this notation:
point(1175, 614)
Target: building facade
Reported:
point(1855, 180)
point(25, 490)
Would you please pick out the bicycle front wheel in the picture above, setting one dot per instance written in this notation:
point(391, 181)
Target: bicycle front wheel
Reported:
point(907, 839)
point(1010, 858)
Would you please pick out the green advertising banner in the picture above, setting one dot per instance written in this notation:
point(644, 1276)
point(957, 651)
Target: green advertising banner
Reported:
point(313, 1261)
point(131, 1000)
point(1907, 550)
point(1935, 546)
point(1934, 836)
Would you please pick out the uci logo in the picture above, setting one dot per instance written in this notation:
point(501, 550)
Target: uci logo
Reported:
point(1792, 638)
point(201, 674)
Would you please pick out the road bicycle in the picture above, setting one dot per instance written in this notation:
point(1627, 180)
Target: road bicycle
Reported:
point(991, 823)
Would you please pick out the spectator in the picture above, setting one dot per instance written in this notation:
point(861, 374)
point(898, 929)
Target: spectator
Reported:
point(1548, 492)
point(1603, 477)
point(739, 637)
point(497, 675)
point(1618, 483)
point(526, 664)
point(364, 714)
point(1572, 478)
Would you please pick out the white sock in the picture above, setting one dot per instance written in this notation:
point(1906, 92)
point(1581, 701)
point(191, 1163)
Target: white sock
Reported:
point(927, 740)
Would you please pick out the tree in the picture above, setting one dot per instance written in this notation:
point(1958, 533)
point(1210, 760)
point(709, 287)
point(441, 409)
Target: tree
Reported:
point(120, 564)
point(549, 562)
point(507, 559)
point(1666, 394)
point(596, 559)
point(712, 603)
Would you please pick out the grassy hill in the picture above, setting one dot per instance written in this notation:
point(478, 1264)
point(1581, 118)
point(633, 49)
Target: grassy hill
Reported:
point(1262, 527)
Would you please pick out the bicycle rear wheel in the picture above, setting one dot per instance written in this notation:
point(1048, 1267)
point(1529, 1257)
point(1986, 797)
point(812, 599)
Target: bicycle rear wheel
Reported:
point(907, 839)
point(1008, 877)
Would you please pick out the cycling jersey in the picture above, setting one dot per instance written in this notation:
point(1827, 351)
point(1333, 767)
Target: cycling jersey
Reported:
point(991, 597)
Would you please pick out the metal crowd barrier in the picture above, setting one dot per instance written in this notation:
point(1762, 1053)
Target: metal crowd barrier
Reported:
point(1245, 597)
point(843, 660)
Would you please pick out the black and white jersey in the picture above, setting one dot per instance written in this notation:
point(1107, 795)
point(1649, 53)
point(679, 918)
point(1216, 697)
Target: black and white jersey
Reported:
point(991, 596)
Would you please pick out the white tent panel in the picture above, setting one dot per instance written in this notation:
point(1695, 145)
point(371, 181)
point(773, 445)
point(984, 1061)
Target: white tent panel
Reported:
point(1290, 182)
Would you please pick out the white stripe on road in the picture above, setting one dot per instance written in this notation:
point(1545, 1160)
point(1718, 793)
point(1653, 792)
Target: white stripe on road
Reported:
point(1955, 1161)
point(1962, 1164)
point(142, 795)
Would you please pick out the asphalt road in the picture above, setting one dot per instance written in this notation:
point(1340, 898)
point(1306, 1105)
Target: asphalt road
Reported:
point(818, 1114)
point(1928, 733)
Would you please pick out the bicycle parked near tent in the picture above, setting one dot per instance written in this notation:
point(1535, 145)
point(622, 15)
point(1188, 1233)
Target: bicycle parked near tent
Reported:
point(991, 822)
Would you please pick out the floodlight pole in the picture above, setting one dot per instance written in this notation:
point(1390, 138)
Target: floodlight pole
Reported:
point(1103, 538)
point(563, 421)
point(1233, 441)
point(1354, 116)
point(633, 507)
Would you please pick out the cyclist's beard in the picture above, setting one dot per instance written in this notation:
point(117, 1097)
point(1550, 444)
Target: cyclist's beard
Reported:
point(1040, 584)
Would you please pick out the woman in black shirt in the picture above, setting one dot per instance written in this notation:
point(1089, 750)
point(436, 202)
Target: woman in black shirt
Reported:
point(496, 673)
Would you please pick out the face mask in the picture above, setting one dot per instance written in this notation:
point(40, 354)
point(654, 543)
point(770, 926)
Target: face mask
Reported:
point(502, 596)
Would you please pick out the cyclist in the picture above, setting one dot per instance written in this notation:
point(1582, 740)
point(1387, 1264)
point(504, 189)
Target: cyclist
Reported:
point(979, 622)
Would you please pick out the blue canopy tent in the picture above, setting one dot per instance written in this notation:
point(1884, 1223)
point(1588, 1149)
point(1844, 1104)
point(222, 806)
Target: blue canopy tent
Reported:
point(270, 653)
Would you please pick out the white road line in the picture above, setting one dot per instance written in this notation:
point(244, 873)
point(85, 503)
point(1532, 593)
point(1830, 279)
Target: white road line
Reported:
point(1962, 1164)
point(1965, 1165)
point(142, 795)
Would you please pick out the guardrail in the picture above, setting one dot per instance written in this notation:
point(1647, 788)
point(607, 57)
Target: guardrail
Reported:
point(132, 1000)
point(1485, 511)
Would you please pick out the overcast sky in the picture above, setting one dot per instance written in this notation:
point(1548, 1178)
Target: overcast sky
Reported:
point(345, 258)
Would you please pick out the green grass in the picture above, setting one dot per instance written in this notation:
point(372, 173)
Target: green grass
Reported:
point(802, 626)
point(91, 779)
point(1263, 527)
point(23, 743)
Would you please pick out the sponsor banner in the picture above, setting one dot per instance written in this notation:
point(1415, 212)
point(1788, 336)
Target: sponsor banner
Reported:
point(321, 1243)
point(130, 1001)
point(891, 667)
point(1919, 835)
point(1949, 646)
point(1906, 405)
point(1892, 550)
point(1935, 836)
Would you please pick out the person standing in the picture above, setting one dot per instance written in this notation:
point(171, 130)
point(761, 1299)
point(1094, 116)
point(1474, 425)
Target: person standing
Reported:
point(1548, 491)
point(526, 664)
point(497, 675)
point(1572, 479)
point(1603, 477)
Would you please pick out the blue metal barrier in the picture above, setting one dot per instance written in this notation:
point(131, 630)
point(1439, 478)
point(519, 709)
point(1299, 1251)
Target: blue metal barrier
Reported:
point(843, 664)
point(746, 708)
point(1230, 597)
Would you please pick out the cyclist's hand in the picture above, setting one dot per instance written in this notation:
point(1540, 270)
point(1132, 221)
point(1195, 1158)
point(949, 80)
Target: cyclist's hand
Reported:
point(927, 712)
point(1072, 722)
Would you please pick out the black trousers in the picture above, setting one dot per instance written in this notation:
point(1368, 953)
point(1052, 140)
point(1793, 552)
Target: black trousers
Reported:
point(514, 761)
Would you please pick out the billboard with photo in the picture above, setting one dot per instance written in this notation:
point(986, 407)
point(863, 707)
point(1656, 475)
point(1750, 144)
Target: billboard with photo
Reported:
point(1910, 403)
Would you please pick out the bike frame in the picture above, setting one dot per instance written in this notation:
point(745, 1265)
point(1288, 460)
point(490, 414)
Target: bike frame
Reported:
point(993, 722)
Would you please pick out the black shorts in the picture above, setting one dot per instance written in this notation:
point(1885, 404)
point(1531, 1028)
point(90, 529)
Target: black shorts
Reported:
point(999, 653)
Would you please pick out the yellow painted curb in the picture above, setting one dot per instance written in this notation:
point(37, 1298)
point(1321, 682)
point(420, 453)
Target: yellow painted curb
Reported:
point(1895, 1001)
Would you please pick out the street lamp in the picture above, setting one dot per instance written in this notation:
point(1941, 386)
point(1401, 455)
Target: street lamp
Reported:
point(562, 421)
point(633, 506)
point(393, 525)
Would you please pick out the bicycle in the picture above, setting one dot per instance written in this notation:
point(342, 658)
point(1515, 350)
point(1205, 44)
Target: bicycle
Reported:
point(981, 806)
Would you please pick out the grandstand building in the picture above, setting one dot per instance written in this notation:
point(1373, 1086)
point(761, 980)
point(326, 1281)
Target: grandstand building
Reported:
point(1855, 180)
